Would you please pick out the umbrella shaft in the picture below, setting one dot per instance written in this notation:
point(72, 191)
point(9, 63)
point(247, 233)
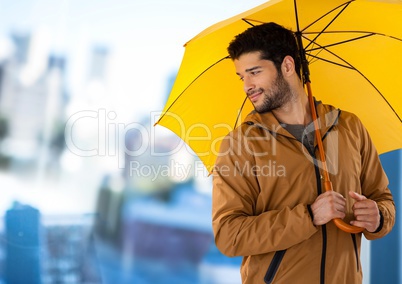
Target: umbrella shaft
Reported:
point(317, 133)
point(327, 182)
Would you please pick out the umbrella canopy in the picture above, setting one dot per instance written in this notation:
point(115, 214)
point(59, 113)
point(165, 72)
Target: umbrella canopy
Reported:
point(354, 51)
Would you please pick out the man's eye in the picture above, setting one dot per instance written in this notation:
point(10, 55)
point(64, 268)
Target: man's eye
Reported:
point(241, 78)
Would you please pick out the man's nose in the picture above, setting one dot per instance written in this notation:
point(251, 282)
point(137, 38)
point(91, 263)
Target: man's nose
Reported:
point(247, 84)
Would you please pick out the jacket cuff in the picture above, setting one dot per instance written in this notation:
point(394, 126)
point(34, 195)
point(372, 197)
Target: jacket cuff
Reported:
point(381, 223)
point(312, 216)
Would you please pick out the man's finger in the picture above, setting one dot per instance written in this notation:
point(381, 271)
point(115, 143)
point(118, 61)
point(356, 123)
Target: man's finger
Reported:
point(356, 196)
point(359, 224)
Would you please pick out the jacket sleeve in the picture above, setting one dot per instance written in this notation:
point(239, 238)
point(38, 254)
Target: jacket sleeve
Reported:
point(238, 229)
point(374, 184)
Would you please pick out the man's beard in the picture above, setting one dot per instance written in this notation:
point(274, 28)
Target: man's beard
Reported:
point(279, 94)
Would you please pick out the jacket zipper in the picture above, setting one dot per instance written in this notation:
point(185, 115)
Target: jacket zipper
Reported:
point(356, 252)
point(319, 191)
point(273, 267)
point(323, 228)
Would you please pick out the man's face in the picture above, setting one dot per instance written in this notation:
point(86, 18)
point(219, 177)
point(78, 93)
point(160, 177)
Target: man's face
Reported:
point(264, 86)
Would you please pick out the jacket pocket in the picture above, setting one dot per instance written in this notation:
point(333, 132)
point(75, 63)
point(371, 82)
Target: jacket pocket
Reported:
point(273, 267)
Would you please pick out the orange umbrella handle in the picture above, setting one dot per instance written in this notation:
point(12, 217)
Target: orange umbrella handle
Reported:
point(339, 222)
point(346, 227)
point(327, 183)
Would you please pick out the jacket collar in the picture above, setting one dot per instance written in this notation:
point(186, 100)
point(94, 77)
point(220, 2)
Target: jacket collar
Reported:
point(327, 117)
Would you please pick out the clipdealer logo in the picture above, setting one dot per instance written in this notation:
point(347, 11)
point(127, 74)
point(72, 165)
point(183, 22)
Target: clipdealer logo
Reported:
point(247, 169)
point(109, 139)
point(180, 171)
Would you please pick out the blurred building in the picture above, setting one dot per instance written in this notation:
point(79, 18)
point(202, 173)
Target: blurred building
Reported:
point(32, 102)
point(39, 249)
point(109, 208)
point(98, 63)
point(69, 250)
point(23, 235)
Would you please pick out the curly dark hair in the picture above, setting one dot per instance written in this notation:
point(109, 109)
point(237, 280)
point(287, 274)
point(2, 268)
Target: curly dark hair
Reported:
point(272, 40)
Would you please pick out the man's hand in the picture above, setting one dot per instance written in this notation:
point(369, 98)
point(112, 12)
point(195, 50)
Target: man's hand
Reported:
point(366, 212)
point(328, 205)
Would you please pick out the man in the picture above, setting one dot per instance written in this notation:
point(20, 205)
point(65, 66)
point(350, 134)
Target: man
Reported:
point(269, 205)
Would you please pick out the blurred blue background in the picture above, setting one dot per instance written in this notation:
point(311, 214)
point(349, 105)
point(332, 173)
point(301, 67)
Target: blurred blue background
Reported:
point(91, 192)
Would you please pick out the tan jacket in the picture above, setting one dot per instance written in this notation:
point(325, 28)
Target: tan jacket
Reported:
point(263, 184)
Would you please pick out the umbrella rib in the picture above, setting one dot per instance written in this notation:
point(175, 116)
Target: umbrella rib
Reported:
point(350, 66)
point(226, 57)
point(332, 62)
point(329, 12)
point(248, 22)
point(323, 47)
point(340, 42)
point(367, 34)
point(238, 116)
point(345, 5)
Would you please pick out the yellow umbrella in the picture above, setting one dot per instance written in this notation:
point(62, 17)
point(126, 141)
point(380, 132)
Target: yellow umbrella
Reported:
point(354, 50)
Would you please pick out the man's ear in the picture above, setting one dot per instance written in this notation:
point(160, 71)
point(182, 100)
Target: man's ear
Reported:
point(288, 65)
